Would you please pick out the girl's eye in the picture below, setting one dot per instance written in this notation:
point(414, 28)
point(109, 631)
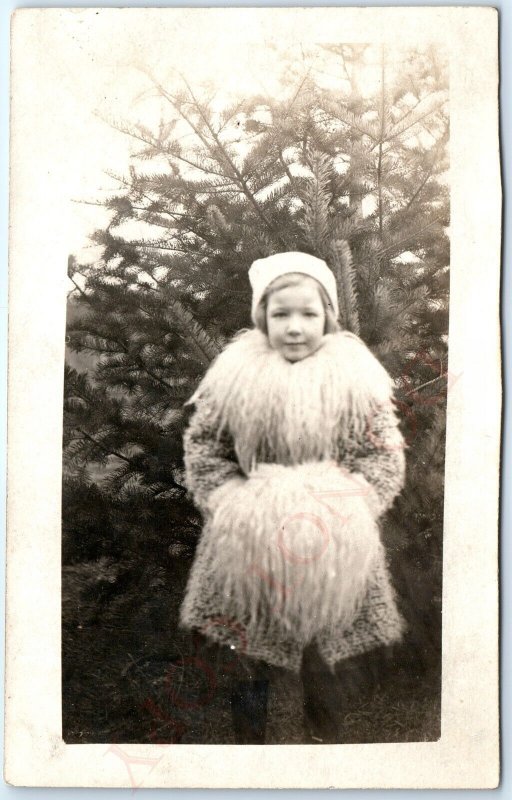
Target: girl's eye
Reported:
point(278, 314)
point(311, 314)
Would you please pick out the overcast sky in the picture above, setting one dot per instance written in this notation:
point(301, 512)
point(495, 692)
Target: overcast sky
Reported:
point(101, 69)
point(98, 62)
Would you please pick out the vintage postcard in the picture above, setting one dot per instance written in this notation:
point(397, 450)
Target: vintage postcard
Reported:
point(254, 408)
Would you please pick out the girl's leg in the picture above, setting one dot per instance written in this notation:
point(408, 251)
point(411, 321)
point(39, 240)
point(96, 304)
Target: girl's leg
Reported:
point(247, 682)
point(249, 702)
point(329, 697)
point(323, 699)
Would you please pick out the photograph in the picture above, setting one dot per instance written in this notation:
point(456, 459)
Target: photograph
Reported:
point(255, 383)
point(261, 475)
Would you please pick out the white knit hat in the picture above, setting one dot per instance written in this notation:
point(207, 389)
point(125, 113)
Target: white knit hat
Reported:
point(265, 270)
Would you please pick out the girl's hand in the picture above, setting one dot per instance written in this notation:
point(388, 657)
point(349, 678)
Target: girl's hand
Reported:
point(368, 492)
point(222, 492)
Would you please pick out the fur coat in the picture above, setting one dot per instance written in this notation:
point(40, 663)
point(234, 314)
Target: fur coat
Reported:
point(291, 465)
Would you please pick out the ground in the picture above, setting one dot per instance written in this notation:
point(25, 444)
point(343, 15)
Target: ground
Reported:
point(130, 676)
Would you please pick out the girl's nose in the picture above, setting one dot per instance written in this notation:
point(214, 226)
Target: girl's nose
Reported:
point(293, 326)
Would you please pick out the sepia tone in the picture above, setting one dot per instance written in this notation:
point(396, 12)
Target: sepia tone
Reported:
point(344, 153)
point(347, 159)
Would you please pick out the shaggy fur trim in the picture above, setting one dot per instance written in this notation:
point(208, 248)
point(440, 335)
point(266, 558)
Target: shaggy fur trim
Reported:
point(290, 546)
point(276, 410)
point(297, 542)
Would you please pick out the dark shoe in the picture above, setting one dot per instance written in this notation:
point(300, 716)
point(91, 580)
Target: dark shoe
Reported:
point(322, 725)
point(324, 700)
point(330, 696)
point(249, 701)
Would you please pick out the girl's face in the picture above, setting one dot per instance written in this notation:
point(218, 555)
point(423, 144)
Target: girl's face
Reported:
point(296, 320)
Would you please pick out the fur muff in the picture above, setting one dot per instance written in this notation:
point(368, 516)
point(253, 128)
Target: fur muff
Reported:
point(298, 542)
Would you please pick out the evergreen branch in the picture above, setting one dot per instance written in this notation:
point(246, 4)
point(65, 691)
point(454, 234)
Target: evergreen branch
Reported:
point(379, 191)
point(286, 169)
point(412, 235)
point(152, 246)
point(430, 171)
point(420, 188)
point(154, 143)
point(207, 170)
point(137, 357)
point(174, 485)
point(83, 294)
point(233, 112)
point(152, 374)
point(343, 269)
point(222, 151)
point(352, 121)
point(173, 213)
point(175, 216)
point(429, 384)
point(106, 450)
point(205, 346)
point(415, 299)
point(414, 107)
point(316, 198)
point(130, 185)
point(391, 136)
point(299, 89)
point(381, 139)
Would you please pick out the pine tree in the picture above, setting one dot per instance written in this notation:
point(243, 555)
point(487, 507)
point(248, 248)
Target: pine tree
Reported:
point(353, 175)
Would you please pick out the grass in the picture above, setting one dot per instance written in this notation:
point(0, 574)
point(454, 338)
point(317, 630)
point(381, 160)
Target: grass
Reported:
point(130, 676)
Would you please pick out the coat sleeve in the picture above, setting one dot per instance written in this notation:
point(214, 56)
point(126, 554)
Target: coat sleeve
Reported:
point(210, 461)
point(378, 456)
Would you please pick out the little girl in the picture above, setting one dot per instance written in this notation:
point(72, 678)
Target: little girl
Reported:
point(292, 454)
